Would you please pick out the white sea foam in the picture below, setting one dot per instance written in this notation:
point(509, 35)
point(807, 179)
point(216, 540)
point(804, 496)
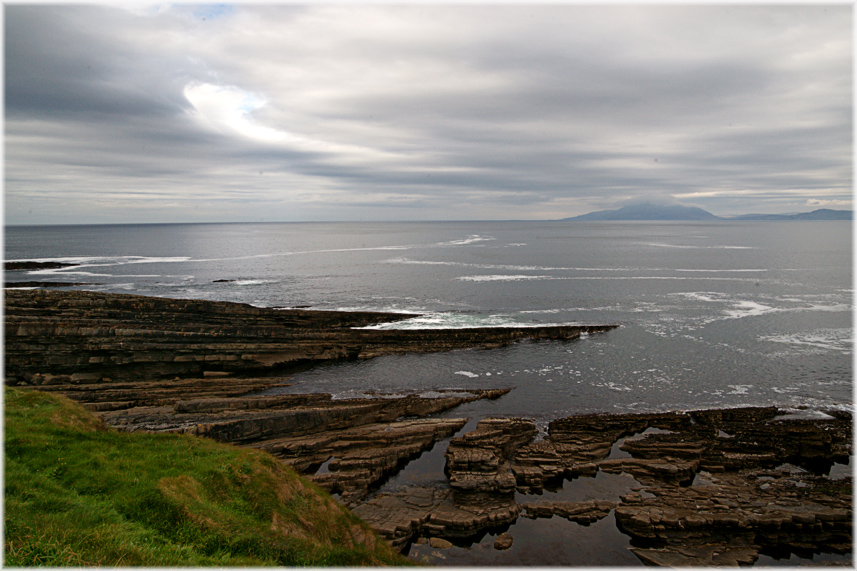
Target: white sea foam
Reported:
point(748, 309)
point(472, 239)
point(724, 271)
point(691, 247)
point(466, 374)
point(739, 389)
point(502, 278)
point(803, 414)
point(66, 273)
point(819, 340)
point(511, 267)
point(456, 320)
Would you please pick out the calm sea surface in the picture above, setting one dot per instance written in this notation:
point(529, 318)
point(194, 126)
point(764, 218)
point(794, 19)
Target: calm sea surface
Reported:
point(712, 314)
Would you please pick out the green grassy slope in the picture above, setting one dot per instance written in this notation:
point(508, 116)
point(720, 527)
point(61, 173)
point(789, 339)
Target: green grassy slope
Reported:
point(77, 494)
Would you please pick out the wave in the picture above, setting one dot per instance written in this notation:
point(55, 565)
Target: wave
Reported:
point(458, 320)
point(105, 261)
point(819, 340)
point(501, 277)
point(472, 239)
point(253, 282)
point(690, 247)
point(741, 308)
point(726, 271)
point(514, 267)
point(506, 278)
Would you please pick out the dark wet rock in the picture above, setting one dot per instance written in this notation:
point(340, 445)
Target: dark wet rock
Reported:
point(439, 543)
point(583, 513)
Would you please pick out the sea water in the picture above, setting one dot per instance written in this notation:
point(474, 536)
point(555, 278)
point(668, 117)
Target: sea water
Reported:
point(711, 314)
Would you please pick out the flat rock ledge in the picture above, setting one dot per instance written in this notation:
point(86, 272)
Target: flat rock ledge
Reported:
point(68, 337)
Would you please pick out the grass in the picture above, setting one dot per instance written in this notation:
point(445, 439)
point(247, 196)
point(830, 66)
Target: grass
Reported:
point(78, 494)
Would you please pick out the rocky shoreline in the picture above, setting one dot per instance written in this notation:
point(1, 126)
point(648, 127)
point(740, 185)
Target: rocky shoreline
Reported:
point(714, 487)
point(81, 336)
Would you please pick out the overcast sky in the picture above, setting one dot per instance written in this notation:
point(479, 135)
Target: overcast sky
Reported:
point(196, 113)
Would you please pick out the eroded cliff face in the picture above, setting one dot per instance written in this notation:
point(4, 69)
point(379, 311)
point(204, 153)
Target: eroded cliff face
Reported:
point(78, 336)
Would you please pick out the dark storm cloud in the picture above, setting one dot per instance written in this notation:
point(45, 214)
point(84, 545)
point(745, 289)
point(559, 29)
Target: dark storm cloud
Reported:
point(316, 112)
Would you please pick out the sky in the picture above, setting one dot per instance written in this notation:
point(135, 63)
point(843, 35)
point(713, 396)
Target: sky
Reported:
point(134, 113)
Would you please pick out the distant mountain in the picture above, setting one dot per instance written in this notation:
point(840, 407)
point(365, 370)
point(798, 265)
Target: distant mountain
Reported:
point(820, 214)
point(649, 212)
point(657, 212)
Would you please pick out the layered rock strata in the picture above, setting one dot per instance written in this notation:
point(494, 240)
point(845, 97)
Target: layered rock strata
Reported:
point(583, 513)
point(400, 517)
point(479, 461)
point(716, 487)
point(128, 337)
point(359, 442)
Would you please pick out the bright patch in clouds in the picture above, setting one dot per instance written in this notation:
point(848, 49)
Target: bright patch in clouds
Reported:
point(229, 109)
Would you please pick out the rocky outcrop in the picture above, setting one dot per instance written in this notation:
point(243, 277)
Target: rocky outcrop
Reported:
point(731, 517)
point(479, 461)
point(357, 459)
point(583, 513)
point(129, 337)
point(357, 442)
point(186, 395)
point(402, 516)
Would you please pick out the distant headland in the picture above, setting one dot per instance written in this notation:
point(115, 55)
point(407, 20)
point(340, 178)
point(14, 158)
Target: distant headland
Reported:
point(650, 211)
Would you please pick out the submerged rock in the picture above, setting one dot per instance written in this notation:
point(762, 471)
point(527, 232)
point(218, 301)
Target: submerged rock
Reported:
point(504, 541)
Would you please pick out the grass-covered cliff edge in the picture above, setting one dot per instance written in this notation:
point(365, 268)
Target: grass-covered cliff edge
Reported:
point(79, 494)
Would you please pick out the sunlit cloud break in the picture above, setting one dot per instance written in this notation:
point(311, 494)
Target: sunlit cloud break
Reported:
point(229, 109)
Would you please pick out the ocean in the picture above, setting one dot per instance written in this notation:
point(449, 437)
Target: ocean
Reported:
point(711, 314)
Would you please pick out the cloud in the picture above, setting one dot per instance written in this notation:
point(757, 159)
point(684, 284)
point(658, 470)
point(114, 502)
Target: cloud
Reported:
point(230, 109)
point(422, 112)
